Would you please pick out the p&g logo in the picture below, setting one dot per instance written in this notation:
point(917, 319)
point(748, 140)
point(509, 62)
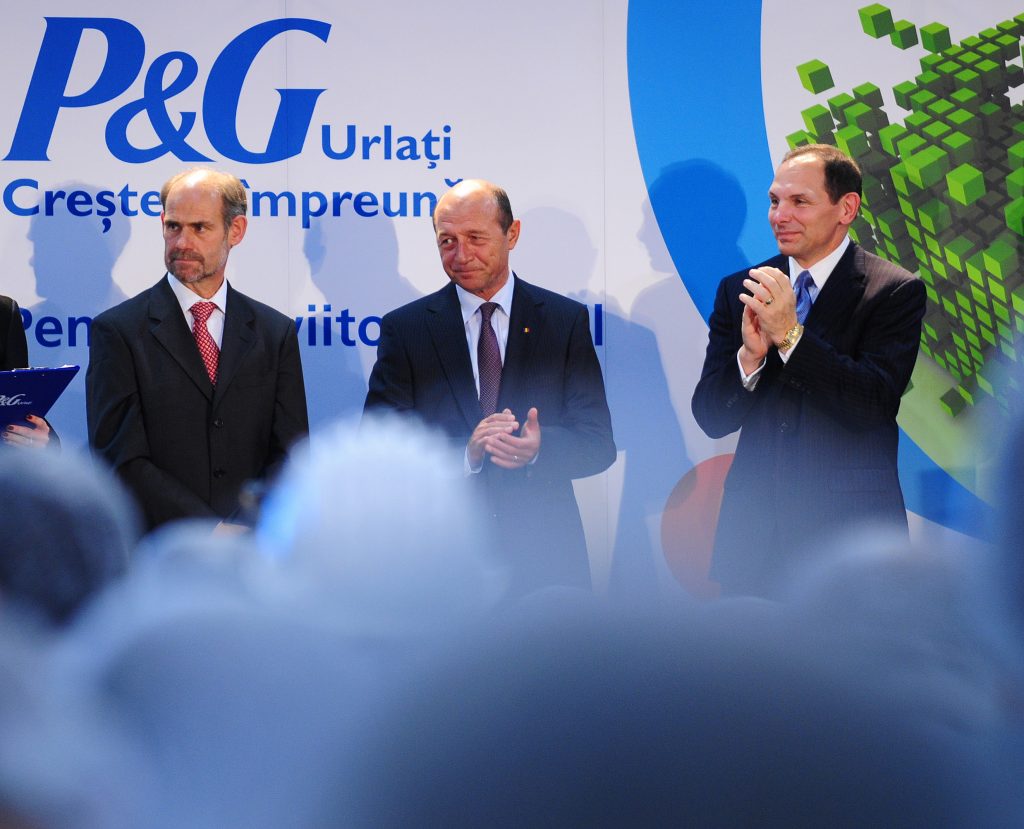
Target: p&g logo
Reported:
point(126, 50)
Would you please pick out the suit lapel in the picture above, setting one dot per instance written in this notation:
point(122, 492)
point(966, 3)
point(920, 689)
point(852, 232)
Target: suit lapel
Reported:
point(239, 338)
point(167, 324)
point(524, 330)
point(448, 334)
point(843, 290)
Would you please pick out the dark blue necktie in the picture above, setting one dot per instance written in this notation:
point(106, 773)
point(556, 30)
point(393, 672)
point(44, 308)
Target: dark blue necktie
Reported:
point(805, 290)
point(488, 359)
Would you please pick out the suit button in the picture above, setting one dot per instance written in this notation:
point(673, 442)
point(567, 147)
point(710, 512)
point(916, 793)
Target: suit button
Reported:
point(219, 473)
point(783, 426)
point(218, 423)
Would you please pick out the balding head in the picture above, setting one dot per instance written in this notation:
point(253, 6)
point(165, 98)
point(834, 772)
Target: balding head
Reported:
point(228, 187)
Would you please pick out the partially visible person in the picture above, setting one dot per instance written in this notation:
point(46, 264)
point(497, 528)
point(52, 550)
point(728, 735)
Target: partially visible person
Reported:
point(808, 356)
point(599, 719)
point(14, 354)
point(64, 762)
point(69, 529)
point(508, 373)
point(194, 389)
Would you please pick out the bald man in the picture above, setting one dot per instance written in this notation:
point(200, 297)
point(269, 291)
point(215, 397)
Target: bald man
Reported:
point(508, 372)
point(194, 389)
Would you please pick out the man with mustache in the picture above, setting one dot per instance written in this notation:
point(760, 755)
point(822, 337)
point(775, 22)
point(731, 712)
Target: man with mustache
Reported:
point(194, 389)
point(808, 355)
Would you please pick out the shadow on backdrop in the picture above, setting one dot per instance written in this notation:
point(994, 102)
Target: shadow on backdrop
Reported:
point(73, 259)
point(354, 264)
point(644, 423)
point(693, 238)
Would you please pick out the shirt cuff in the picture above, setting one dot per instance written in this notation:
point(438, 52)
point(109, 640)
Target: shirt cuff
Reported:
point(749, 380)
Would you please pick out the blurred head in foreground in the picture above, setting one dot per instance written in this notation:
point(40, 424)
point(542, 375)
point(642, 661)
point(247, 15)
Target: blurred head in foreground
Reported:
point(68, 532)
point(380, 518)
point(604, 721)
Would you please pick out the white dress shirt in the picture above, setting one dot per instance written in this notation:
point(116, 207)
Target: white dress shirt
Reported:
point(186, 299)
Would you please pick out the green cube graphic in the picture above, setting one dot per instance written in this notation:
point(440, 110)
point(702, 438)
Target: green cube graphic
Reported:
point(904, 34)
point(935, 37)
point(968, 79)
point(800, 138)
point(1015, 155)
point(815, 76)
point(837, 106)
point(966, 184)
point(888, 136)
point(1000, 258)
point(902, 93)
point(852, 141)
point(959, 146)
point(818, 120)
point(943, 191)
point(1014, 213)
point(958, 250)
point(927, 166)
point(1015, 183)
point(966, 99)
point(876, 20)
point(868, 93)
point(935, 216)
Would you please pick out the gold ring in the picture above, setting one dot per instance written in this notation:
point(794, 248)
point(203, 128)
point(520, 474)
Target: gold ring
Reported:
point(769, 301)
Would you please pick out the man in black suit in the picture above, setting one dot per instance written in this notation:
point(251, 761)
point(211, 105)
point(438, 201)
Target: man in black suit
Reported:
point(811, 369)
point(508, 372)
point(187, 417)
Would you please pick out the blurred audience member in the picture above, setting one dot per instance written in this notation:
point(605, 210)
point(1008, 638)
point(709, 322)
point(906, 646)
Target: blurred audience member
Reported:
point(68, 532)
point(928, 627)
point(666, 721)
point(64, 764)
point(376, 517)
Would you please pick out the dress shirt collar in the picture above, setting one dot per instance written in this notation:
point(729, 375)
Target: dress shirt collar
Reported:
point(822, 269)
point(186, 298)
point(471, 302)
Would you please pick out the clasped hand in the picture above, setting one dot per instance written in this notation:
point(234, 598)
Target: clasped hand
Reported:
point(499, 436)
point(769, 313)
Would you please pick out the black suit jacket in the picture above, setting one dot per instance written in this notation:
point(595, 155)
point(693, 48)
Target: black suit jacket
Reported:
point(182, 446)
point(13, 346)
point(818, 439)
point(423, 368)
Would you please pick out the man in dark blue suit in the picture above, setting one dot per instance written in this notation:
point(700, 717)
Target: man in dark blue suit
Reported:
point(187, 417)
point(508, 372)
point(811, 370)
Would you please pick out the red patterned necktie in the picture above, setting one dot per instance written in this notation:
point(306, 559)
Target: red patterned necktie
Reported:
point(488, 359)
point(207, 347)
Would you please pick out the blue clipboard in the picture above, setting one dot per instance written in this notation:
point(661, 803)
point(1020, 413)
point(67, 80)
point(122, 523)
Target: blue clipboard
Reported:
point(26, 391)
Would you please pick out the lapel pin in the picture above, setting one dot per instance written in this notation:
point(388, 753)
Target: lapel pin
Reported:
point(526, 330)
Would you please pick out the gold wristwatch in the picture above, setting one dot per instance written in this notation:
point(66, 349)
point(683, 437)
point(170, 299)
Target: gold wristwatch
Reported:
point(791, 337)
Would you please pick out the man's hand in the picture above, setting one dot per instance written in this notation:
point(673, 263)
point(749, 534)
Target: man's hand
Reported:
point(36, 436)
point(510, 451)
point(773, 304)
point(499, 423)
point(755, 342)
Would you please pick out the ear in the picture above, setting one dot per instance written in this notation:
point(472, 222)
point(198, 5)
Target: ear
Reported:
point(850, 204)
point(236, 230)
point(513, 234)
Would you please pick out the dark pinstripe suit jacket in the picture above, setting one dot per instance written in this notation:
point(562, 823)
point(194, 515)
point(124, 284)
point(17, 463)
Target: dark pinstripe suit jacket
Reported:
point(423, 368)
point(183, 447)
point(818, 439)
